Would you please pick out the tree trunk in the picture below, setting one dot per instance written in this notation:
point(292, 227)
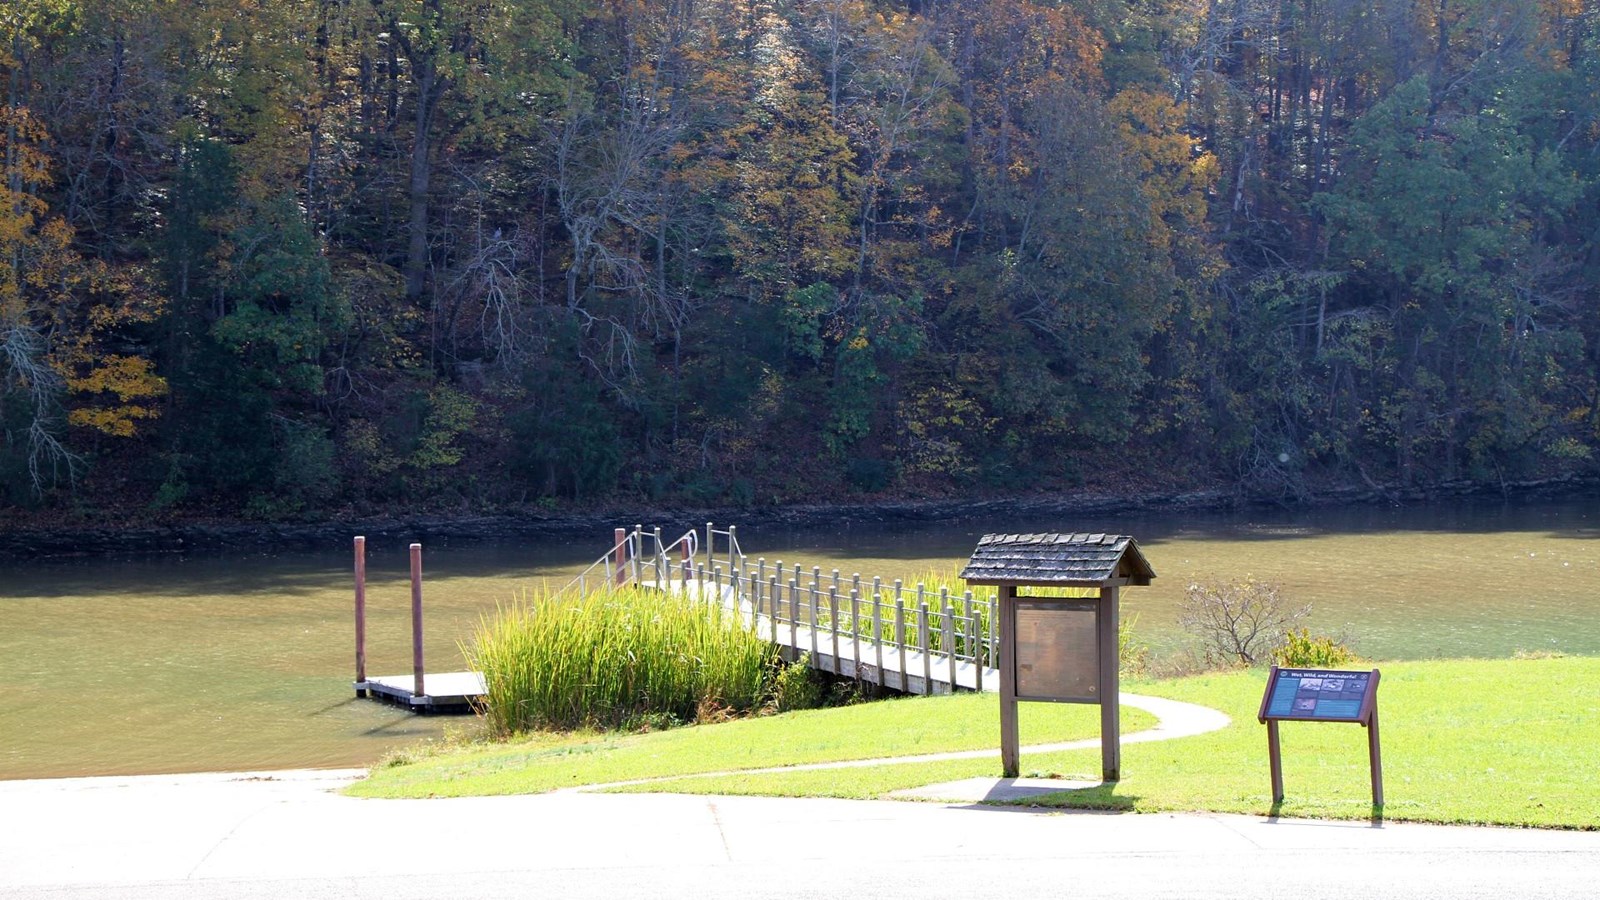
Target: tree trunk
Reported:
point(421, 175)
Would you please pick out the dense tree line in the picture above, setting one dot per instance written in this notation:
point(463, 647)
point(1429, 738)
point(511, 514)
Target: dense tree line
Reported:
point(267, 256)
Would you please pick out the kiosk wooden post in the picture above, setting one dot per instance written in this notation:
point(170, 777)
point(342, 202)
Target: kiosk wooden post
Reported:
point(1010, 740)
point(1106, 623)
point(1059, 649)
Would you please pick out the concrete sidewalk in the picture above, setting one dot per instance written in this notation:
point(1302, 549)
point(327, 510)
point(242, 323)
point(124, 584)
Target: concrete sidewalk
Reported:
point(289, 834)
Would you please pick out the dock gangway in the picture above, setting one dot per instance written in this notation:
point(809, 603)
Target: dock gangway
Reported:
point(902, 637)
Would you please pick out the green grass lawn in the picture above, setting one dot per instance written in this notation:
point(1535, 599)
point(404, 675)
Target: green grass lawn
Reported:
point(1509, 742)
point(1505, 742)
point(901, 727)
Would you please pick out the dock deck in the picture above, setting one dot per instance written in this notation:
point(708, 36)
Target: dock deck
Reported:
point(444, 691)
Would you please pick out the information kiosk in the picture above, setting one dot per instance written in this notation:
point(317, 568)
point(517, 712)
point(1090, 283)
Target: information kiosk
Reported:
point(1060, 649)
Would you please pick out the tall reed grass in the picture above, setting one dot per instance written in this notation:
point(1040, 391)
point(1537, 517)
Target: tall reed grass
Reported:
point(615, 656)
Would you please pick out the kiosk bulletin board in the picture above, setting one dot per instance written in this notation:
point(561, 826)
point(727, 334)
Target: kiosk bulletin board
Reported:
point(1057, 654)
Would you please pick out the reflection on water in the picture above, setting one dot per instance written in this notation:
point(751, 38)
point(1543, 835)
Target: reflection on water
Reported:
point(234, 662)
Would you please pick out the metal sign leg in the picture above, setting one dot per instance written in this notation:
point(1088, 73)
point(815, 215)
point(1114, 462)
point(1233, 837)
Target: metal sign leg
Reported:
point(1376, 758)
point(1275, 757)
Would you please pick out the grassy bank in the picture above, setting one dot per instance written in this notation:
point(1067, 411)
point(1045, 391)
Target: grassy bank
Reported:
point(1508, 742)
point(1503, 742)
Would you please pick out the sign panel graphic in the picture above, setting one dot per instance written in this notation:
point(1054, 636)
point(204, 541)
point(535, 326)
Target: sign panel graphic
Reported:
point(1317, 695)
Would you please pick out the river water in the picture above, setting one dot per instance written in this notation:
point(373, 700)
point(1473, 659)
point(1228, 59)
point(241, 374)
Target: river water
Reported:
point(239, 662)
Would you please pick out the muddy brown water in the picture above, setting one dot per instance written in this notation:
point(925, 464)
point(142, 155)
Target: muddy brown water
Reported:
point(241, 662)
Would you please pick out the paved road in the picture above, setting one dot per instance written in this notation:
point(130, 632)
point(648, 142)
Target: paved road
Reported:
point(287, 834)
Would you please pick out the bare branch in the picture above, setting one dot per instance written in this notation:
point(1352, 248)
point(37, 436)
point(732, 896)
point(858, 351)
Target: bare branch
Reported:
point(41, 386)
point(1239, 622)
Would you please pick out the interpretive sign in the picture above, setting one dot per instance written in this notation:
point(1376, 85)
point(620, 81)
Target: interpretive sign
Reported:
point(1057, 654)
point(1321, 695)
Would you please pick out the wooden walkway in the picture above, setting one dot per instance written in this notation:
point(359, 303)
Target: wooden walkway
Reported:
point(906, 666)
point(903, 638)
point(906, 670)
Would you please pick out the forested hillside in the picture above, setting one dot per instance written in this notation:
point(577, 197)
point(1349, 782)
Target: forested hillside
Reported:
point(276, 257)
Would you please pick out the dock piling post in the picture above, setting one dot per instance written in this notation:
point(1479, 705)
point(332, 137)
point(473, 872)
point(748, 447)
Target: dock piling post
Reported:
point(361, 615)
point(416, 621)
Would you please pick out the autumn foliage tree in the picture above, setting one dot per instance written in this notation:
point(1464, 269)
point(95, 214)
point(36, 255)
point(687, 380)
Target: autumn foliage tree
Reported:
point(273, 259)
point(61, 321)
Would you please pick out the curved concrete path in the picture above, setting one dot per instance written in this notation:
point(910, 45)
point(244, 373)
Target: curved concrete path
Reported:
point(1174, 719)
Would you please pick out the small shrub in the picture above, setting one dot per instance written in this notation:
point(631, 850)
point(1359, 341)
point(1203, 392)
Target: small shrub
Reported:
point(646, 722)
point(1239, 622)
point(1303, 650)
point(847, 692)
point(797, 686)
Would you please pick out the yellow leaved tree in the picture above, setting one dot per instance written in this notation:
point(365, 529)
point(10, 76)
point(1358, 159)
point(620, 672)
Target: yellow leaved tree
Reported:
point(61, 319)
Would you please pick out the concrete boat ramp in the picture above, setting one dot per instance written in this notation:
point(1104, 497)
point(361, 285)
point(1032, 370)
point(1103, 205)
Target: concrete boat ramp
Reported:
point(290, 834)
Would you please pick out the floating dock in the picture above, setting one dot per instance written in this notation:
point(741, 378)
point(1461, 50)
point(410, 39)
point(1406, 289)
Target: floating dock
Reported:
point(420, 691)
point(445, 691)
